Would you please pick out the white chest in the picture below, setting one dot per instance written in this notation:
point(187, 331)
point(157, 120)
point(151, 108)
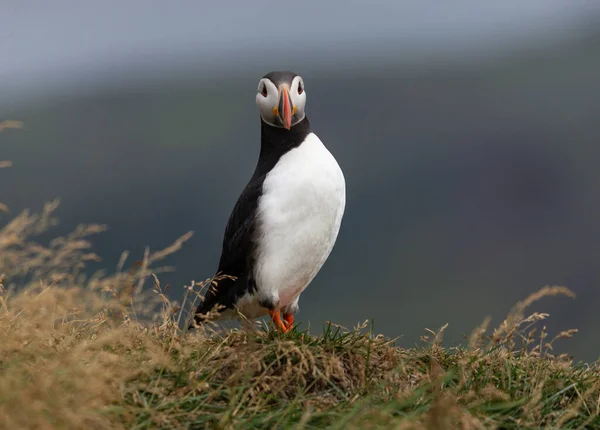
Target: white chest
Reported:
point(299, 216)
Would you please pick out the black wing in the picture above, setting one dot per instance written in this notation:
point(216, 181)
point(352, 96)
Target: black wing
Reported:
point(238, 240)
point(237, 253)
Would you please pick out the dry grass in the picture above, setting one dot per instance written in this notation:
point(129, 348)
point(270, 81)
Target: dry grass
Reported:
point(107, 351)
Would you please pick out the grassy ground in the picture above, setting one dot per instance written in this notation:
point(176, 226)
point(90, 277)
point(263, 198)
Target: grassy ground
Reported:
point(108, 352)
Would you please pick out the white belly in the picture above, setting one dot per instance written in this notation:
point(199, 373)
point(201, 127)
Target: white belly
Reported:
point(299, 216)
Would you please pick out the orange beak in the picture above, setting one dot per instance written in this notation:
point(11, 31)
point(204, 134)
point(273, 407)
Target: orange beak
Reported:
point(285, 108)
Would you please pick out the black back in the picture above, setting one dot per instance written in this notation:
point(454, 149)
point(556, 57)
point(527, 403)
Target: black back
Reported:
point(239, 242)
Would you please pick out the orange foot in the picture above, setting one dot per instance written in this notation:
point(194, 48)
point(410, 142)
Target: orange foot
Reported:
point(276, 317)
point(289, 321)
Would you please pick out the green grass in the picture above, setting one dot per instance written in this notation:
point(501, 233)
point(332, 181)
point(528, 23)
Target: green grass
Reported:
point(350, 379)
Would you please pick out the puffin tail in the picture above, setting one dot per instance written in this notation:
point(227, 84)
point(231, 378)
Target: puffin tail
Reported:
point(201, 314)
point(217, 299)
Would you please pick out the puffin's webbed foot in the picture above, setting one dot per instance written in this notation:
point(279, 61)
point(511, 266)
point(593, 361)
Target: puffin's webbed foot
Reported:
point(288, 321)
point(276, 317)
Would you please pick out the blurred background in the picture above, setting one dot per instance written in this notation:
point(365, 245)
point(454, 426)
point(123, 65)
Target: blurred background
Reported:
point(468, 132)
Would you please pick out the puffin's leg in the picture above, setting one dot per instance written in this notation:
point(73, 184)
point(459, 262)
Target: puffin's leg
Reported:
point(276, 317)
point(288, 313)
point(288, 321)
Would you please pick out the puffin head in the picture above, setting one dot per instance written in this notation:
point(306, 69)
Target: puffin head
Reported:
point(281, 99)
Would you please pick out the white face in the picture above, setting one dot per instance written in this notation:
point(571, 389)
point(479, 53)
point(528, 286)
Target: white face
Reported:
point(278, 110)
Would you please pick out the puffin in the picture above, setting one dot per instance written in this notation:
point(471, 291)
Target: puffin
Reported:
point(285, 222)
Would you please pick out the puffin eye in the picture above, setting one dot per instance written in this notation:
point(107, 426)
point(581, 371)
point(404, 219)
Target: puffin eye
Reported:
point(300, 89)
point(264, 91)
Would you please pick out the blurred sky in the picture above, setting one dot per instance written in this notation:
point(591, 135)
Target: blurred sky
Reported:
point(51, 43)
